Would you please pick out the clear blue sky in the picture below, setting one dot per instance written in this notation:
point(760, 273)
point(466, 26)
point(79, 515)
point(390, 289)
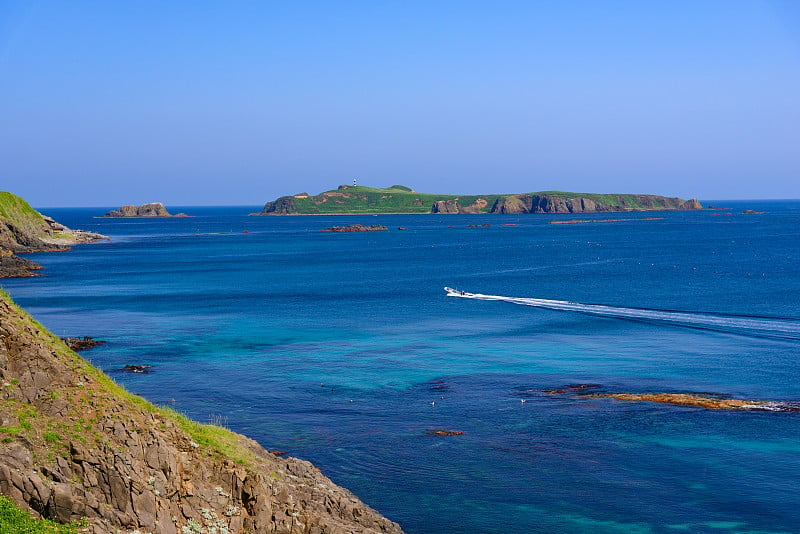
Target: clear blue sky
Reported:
point(107, 103)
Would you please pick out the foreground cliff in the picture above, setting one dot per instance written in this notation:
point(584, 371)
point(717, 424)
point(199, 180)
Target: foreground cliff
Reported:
point(401, 199)
point(75, 445)
point(23, 229)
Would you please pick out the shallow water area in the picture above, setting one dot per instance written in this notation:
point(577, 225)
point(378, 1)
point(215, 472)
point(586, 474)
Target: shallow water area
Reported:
point(343, 349)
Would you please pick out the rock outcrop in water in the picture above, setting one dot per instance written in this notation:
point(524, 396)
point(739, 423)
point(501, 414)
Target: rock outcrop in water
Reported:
point(401, 199)
point(708, 401)
point(153, 209)
point(75, 445)
point(356, 228)
point(702, 401)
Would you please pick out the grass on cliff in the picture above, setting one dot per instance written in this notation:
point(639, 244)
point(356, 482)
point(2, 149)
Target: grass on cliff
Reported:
point(16, 210)
point(102, 396)
point(15, 520)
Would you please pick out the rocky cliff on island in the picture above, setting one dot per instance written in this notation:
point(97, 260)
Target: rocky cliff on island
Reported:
point(23, 230)
point(579, 203)
point(76, 446)
point(153, 209)
point(401, 199)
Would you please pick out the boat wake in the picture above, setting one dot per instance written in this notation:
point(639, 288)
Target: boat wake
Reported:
point(742, 325)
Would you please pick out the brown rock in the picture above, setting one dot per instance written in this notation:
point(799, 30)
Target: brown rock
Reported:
point(701, 401)
point(356, 228)
point(444, 432)
point(81, 343)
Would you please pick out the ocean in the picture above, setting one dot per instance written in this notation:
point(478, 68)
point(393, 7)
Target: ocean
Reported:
point(343, 349)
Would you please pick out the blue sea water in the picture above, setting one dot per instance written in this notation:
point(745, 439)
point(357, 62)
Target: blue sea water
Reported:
point(344, 350)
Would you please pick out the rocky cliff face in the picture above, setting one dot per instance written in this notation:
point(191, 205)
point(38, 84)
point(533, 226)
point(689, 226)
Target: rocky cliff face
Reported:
point(75, 445)
point(517, 204)
point(691, 204)
point(12, 266)
point(282, 206)
point(153, 209)
point(454, 206)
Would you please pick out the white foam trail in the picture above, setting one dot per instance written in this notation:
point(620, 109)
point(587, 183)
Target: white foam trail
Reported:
point(753, 326)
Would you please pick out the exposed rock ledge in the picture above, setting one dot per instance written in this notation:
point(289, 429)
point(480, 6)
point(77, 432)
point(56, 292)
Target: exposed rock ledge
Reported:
point(709, 401)
point(153, 209)
point(61, 236)
point(703, 401)
point(76, 445)
point(356, 228)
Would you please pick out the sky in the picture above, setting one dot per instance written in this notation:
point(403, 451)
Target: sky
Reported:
point(237, 103)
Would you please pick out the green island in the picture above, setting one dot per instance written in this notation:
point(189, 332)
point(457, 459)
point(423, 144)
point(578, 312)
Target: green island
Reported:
point(358, 199)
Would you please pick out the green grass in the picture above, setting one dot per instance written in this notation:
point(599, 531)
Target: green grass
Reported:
point(220, 441)
point(51, 437)
point(15, 520)
point(18, 211)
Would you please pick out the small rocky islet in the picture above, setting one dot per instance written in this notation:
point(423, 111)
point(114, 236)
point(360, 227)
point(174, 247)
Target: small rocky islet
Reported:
point(709, 401)
point(152, 209)
point(356, 228)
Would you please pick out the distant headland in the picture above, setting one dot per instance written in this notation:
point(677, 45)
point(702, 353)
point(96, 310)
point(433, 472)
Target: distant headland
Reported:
point(352, 199)
point(153, 209)
point(24, 230)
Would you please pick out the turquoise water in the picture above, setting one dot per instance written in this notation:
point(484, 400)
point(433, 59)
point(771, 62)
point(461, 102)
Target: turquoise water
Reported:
point(343, 349)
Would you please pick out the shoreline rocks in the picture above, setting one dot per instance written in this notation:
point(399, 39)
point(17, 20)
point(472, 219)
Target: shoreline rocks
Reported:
point(12, 266)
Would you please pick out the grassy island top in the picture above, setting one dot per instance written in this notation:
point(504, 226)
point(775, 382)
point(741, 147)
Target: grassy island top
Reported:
point(402, 199)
